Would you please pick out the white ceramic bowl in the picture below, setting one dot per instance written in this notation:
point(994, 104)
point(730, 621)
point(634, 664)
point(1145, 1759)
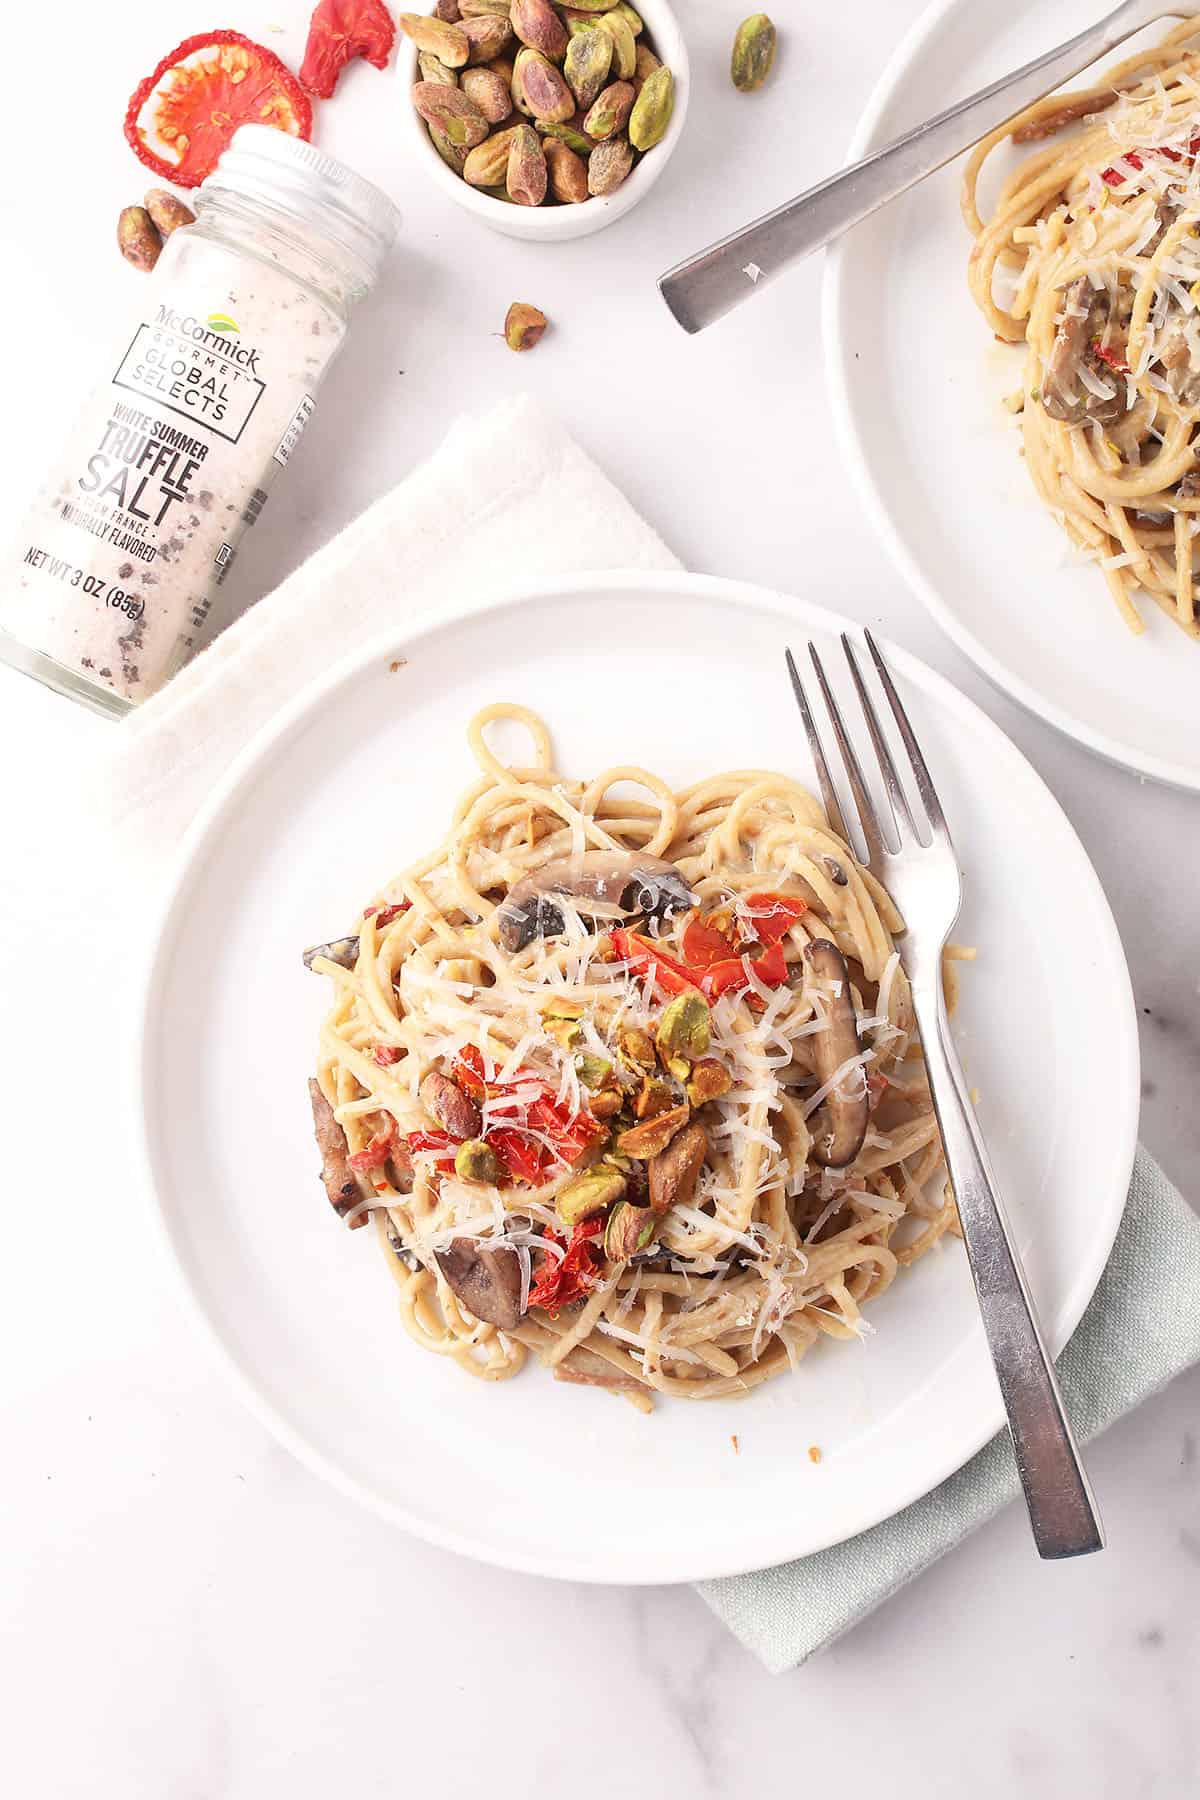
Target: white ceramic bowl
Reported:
point(555, 224)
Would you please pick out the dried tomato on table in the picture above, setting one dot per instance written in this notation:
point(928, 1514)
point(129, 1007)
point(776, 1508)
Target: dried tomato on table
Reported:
point(183, 115)
point(341, 30)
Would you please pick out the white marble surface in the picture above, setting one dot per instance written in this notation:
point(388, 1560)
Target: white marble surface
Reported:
point(186, 1613)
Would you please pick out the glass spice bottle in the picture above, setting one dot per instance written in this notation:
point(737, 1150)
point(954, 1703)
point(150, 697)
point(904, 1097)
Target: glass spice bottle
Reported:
point(109, 587)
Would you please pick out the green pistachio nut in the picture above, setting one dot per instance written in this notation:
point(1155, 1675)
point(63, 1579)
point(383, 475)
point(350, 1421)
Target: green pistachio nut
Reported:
point(652, 110)
point(526, 182)
point(537, 24)
point(452, 112)
point(593, 1071)
point(610, 111)
point(569, 132)
point(523, 324)
point(645, 66)
point(449, 43)
point(489, 92)
point(433, 69)
point(753, 53)
point(487, 164)
point(543, 92)
point(588, 60)
point(589, 1194)
point(453, 155)
point(685, 1029)
point(488, 38)
point(624, 44)
point(477, 1161)
point(629, 1229)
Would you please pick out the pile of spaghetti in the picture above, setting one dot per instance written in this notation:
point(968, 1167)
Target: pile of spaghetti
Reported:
point(628, 1078)
point(1091, 257)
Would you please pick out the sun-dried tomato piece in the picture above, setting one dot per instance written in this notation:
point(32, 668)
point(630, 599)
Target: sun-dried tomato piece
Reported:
point(340, 31)
point(181, 117)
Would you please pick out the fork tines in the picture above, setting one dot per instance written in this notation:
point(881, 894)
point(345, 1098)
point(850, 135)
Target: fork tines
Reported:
point(907, 832)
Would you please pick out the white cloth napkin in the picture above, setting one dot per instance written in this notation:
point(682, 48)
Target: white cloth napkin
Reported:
point(552, 513)
point(549, 512)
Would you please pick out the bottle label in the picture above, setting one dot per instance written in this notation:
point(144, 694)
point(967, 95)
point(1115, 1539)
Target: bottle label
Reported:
point(172, 460)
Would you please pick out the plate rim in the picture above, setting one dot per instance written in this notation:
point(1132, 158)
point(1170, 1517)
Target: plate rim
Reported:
point(840, 362)
point(173, 897)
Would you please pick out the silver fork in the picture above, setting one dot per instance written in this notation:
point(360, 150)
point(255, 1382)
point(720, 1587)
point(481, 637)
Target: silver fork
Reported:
point(922, 874)
point(702, 289)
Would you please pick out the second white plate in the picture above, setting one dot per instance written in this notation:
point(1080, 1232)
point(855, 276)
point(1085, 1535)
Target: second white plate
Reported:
point(917, 386)
point(684, 676)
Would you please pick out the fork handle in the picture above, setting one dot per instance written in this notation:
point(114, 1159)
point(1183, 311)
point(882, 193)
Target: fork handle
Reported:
point(1062, 1511)
point(705, 287)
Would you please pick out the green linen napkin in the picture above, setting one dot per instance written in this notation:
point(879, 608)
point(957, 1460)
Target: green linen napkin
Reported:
point(1122, 1352)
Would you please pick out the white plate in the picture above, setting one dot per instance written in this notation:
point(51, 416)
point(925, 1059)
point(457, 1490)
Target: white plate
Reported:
point(917, 382)
point(355, 780)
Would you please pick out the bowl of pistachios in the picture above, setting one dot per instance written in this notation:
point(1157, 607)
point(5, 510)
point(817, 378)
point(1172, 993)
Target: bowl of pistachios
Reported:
point(543, 119)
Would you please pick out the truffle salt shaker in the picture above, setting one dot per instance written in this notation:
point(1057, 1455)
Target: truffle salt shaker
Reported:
point(108, 590)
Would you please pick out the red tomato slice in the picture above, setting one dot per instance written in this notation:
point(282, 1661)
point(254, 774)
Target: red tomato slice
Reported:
point(521, 1156)
point(704, 945)
point(181, 117)
point(673, 977)
point(774, 915)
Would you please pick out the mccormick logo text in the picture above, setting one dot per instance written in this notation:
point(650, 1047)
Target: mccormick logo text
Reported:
point(217, 332)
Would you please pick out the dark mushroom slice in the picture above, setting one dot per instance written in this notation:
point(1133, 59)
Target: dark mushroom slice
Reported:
point(486, 1278)
point(343, 1190)
point(588, 1369)
point(633, 883)
point(841, 1122)
point(674, 1171)
point(340, 950)
point(1065, 395)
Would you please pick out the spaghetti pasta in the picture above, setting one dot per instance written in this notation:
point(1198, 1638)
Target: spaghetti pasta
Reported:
point(1090, 258)
point(629, 1079)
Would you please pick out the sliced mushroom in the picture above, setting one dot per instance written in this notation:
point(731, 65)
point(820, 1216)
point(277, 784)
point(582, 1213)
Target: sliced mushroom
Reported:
point(1065, 395)
point(1065, 114)
point(486, 1278)
point(454, 1111)
point(588, 1369)
point(340, 950)
point(336, 1173)
point(841, 1122)
point(633, 883)
point(675, 1170)
point(837, 874)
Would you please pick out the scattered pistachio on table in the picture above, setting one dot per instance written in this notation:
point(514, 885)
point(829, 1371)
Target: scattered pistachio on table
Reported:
point(167, 211)
point(753, 53)
point(585, 76)
point(137, 237)
point(523, 326)
point(142, 229)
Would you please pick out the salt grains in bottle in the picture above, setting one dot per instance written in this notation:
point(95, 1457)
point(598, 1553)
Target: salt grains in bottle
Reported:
point(107, 592)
